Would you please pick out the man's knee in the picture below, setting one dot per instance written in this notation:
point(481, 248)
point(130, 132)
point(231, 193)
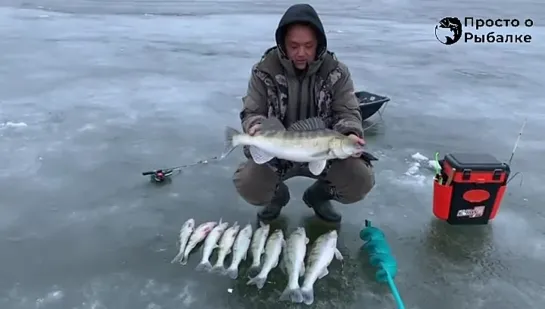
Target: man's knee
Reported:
point(352, 178)
point(255, 183)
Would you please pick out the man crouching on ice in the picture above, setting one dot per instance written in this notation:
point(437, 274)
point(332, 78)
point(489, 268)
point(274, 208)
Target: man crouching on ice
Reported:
point(295, 80)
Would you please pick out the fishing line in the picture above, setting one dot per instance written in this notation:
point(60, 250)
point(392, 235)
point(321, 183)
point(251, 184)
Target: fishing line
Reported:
point(515, 147)
point(160, 175)
point(517, 141)
point(513, 154)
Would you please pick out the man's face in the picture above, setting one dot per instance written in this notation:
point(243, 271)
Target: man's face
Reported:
point(301, 45)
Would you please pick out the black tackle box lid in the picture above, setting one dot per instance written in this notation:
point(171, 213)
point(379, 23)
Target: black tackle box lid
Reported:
point(475, 161)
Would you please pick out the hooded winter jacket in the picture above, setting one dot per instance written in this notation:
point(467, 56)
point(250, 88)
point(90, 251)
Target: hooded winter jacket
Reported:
point(324, 90)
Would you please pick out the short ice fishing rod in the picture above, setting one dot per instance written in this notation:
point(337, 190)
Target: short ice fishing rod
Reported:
point(515, 150)
point(160, 175)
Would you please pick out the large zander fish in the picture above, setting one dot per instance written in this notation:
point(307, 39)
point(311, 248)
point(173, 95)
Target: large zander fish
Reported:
point(306, 141)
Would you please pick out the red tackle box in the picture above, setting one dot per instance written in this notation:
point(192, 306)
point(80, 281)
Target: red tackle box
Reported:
point(470, 188)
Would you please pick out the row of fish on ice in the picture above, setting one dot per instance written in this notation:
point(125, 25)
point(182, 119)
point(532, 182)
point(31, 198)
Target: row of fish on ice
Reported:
point(290, 254)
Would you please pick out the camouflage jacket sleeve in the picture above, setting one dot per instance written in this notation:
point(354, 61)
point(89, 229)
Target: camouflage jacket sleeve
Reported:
point(254, 109)
point(345, 106)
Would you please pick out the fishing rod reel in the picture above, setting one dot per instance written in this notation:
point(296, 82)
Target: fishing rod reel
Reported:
point(161, 175)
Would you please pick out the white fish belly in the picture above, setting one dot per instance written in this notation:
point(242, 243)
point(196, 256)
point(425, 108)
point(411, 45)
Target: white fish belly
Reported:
point(288, 151)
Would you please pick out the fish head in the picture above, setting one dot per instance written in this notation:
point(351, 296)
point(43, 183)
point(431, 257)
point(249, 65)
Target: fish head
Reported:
point(349, 147)
point(247, 229)
point(222, 226)
point(265, 228)
point(189, 224)
point(278, 233)
point(207, 227)
point(300, 231)
point(233, 229)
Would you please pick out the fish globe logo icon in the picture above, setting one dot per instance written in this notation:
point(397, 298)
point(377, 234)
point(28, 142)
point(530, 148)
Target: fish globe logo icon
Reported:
point(449, 30)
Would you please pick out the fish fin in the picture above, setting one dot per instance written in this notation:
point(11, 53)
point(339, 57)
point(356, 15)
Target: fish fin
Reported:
point(261, 223)
point(324, 273)
point(338, 255)
point(204, 266)
point(308, 295)
point(229, 146)
point(309, 124)
point(260, 156)
point(317, 167)
point(272, 124)
point(231, 272)
point(294, 295)
point(321, 154)
point(367, 156)
point(307, 241)
point(218, 269)
point(302, 269)
point(257, 281)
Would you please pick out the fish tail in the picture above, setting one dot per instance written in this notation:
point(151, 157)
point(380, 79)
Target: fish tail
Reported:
point(204, 266)
point(257, 281)
point(294, 295)
point(177, 258)
point(184, 259)
point(230, 145)
point(308, 295)
point(232, 272)
point(218, 269)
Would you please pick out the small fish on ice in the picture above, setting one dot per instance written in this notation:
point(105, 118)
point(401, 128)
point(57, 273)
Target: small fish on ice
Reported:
point(198, 235)
point(226, 242)
point(185, 232)
point(273, 248)
point(211, 243)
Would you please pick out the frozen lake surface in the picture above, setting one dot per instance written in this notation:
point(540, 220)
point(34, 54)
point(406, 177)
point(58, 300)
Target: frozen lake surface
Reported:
point(94, 92)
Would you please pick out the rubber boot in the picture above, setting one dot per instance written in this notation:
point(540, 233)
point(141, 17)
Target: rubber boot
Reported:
point(280, 199)
point(318, 197)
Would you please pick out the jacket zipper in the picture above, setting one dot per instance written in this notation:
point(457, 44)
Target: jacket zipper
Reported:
point(299, 95)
